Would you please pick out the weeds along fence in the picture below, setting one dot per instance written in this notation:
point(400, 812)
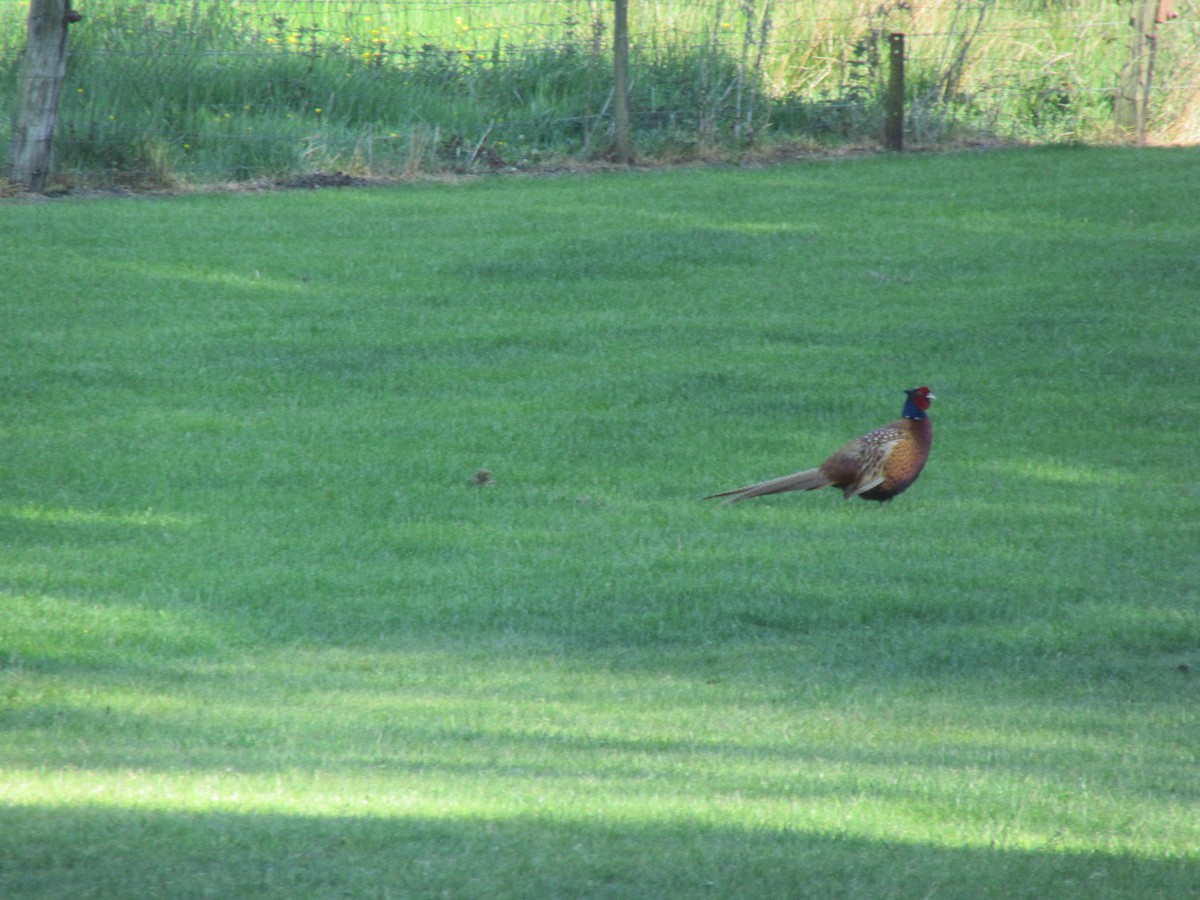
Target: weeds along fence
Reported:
point(161, 91)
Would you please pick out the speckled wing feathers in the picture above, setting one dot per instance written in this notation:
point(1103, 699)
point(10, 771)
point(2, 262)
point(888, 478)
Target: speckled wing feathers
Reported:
point(861, 464)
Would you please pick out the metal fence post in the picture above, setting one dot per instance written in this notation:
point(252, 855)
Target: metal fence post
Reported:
point(893, 126)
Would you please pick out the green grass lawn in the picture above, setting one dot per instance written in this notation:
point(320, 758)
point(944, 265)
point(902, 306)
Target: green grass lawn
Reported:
point(261, 637)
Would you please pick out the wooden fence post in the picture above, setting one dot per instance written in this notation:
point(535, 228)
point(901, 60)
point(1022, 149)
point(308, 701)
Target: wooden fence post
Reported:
point(622, 147)
point(1133, 95)
point(39, 86)
point(622, 141)
point(893, 125)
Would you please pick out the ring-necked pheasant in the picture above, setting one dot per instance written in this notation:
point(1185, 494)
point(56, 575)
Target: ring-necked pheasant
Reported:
point(877, 466)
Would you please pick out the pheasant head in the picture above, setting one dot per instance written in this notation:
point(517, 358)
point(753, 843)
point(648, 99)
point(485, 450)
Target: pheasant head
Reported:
point(918, 401)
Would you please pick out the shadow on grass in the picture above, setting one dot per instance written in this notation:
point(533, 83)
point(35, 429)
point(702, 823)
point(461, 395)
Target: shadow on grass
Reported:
point(91, 852)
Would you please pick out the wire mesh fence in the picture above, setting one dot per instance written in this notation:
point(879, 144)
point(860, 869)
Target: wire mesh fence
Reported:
point(202, 90)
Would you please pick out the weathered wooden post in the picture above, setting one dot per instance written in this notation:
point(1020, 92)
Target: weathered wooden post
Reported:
point(39, 86)
point(1131, 108)
point(622, 147)
point(893, 125)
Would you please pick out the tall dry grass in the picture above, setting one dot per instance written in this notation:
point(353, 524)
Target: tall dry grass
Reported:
point(203, 90)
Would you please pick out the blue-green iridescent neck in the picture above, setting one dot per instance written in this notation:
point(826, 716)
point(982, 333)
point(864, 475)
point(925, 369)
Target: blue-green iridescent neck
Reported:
point(911, 410)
